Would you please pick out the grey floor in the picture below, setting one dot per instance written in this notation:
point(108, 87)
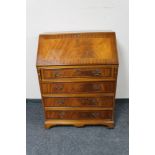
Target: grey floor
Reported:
point(90, 140)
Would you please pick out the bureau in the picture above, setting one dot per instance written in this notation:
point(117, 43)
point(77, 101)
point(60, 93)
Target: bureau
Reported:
point(77, 74)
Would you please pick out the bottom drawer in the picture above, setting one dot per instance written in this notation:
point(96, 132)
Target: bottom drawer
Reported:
point(75, 115)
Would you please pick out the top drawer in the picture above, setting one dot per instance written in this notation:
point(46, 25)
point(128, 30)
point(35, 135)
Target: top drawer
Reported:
point(105, 72)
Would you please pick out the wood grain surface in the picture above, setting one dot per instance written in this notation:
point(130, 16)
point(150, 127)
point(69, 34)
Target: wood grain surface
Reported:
point(77, 74)
point(77, 48)
point(79, 87)
point(76, 115)
point(106, 101)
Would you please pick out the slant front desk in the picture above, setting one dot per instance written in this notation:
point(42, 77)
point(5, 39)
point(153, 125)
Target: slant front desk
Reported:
point(77, 75)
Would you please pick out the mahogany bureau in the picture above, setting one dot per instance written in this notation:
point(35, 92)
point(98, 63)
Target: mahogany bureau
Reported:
point(77, 75)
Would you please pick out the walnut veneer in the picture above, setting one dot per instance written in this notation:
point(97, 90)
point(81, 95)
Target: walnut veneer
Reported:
point(77, 75)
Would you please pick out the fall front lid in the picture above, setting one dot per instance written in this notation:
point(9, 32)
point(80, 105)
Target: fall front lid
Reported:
point(77, 49)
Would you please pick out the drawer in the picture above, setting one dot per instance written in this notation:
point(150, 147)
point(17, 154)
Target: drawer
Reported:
point(76, 115)
point(78, 87)
point(105, 72)
point(106, 102)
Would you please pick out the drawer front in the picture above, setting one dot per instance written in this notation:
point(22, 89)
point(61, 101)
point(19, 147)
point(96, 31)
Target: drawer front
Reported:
point(76, 73)
point(76, 115)
point(79, 87)
point(106, 102)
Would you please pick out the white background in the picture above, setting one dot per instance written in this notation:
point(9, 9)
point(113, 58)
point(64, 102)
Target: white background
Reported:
point(77, 15)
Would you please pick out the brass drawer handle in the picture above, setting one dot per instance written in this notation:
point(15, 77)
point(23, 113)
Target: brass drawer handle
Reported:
point(97, 87)
point(61, 101)
point(57, 74)
point(59, 87)
point(89, 115)
point(61, 114)
point(95, 114)
point(89, 101)
point(96, 72)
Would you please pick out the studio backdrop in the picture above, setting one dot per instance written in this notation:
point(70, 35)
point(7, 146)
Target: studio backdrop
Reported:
point(77, 15)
